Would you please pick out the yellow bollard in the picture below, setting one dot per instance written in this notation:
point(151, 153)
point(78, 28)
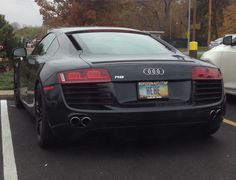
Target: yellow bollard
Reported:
point(193, 48)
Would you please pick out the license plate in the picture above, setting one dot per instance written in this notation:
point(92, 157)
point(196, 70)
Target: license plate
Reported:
point(153, 90)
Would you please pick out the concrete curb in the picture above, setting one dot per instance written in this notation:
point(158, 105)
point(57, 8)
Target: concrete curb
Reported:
point(7, 94)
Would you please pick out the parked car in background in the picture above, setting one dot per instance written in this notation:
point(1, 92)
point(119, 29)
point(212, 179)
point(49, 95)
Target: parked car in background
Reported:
point(224, 57)
point(215, 43)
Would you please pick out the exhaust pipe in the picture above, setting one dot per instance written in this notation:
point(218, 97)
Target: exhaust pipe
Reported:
point(82, 122)
point(218, 112)
point(215, 114)
point(75, 121)
point(86, 121)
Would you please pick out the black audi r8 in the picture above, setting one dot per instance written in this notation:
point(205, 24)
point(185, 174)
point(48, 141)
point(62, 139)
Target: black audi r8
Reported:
point(82, 79)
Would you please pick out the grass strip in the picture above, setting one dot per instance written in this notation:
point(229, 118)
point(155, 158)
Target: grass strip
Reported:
point(6, 80)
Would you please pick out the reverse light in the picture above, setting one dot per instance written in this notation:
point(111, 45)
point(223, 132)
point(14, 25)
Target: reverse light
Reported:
point(201, 73)
point(84, 76)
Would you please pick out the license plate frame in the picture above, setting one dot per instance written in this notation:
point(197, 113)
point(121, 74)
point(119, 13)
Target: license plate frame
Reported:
point(153, 90)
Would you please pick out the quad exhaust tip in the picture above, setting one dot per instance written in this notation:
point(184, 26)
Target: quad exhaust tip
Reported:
point(215, 114)
point(74, 121)
point(219, 112)
point(86, 121)
point(82, 122)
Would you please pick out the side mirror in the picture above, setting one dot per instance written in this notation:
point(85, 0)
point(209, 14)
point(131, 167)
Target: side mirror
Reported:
point(20, 52)
point(228, 40)
point(234, 41)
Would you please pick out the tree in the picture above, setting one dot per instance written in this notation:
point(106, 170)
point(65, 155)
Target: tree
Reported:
point(148, 15)
point(30, 32)
point(7, 36)
point(15, 25)
point(229, 25)
point(168, 15)
point(217, 18)
point(142, 14)
point(160, 15)
point(53, 13)
point(58, 13)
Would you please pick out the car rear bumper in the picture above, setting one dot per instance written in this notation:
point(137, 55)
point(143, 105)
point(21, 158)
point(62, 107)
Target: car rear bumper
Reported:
point(63, 125)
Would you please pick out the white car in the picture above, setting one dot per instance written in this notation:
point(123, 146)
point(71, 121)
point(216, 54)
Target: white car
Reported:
point(224, 57)
point(215, 43)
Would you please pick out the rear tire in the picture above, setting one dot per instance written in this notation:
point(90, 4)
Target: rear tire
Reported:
point(18, 102)
point(44, 133)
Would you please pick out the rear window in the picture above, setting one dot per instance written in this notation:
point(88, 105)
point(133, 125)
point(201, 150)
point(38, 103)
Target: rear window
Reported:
point(119, 43)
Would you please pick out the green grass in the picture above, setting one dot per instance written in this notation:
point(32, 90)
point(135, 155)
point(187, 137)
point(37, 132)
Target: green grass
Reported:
point(6, 80)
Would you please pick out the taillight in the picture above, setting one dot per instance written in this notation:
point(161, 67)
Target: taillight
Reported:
point(84, 76)
point(199, 73)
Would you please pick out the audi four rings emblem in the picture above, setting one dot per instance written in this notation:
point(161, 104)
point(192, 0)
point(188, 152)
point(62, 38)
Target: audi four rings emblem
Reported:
point(153, 71)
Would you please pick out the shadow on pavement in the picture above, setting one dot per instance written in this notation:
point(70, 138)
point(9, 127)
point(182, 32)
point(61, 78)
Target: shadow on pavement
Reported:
point(103, 145)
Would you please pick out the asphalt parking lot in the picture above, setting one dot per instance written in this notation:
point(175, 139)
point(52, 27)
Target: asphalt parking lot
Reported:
point(103, 157)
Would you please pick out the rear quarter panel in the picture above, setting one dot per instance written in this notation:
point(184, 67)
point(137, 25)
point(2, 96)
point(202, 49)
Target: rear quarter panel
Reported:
point(213, 56)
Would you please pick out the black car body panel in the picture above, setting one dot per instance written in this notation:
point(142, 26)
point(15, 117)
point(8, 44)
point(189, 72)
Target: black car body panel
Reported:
point(116, 104)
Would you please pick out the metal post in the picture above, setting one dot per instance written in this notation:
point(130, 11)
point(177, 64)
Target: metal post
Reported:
point(209, 21)
point(170, 36)
point(194, 19)
point(189, 22)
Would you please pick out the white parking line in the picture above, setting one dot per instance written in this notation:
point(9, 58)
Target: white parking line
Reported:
point(9, 164)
